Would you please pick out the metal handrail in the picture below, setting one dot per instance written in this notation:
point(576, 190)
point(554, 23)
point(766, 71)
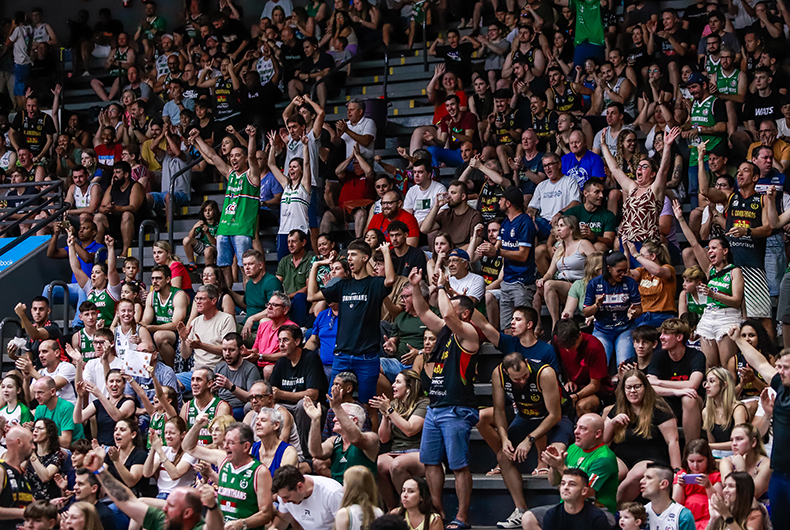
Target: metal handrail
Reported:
point(63, 285)
point(357, 56)
point(35, 228)
point(141, 238)
point(48, 188)
point(180, 172)
point(425, 40)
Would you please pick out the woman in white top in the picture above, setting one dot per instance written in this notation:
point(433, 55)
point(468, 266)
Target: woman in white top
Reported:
point(129, 333)
point(566, 267)
point(7, 156)
point(14, 411)
point(360, 499)
point(296, 194)
point(172, 466)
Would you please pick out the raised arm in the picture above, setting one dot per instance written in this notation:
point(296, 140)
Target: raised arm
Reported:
point(421, 307)
point(208, 153)
point(281, 178)
point(699, 252)
point(626, 183)
point(190, 443)
point(755, 359)
point(659, 185)
point(122, 496)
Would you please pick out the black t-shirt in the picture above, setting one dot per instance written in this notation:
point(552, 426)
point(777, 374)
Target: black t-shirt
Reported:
point(234, 33)
point(359, 317)
point(663, 367)
point(589, 518)
point(195, 92)
point(780, 460)
point(665, 48)
point(324, 61)
point(106, 516)
point(291, 58)
point(635, 448)
point(414, 257)
point(34, 130)
point(761, 108)
point(488, 203)
point(308, 373)
point(259, 102)
point(137, 456)
point(104, 422)
point(54, 334)
point(475, 180)
point(544, 127)
point(697, 18)
point(457, 60)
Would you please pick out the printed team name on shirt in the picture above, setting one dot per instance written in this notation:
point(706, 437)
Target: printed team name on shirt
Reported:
point(552, 194)
point(764, 111)
point(353, 299)
point(292, 383)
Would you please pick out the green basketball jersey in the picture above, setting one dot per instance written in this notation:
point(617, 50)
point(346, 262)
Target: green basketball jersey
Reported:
point(240, 210)
point(693, 306)
point(722, 284)
point(193, 412)
point(727, 84)
point(702, 116)
point(163, 311)
point(712, 67)
point(156, 425)
point(236, 494)
point(104, 303)
point(86, 346)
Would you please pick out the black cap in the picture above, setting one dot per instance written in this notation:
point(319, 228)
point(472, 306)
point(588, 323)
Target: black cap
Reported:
point(515, 196)
point(719, 149)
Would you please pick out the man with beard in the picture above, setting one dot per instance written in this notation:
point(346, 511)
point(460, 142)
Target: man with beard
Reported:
point(542, 122)
point(563, 96)
point(596, 223)
point(204, 402)
point(34, 130)
point(86, 489)
point(457, 127)
point(730, 84)
point(16, 493)
point(239, 218)
point(181, 511)
point(245, 485)
point(392, 210)
point(502, 129)
point(458, 219)
point(121, 208)
point(165, 307)
point(404, 256)
point(235, 376)
point(39, 329)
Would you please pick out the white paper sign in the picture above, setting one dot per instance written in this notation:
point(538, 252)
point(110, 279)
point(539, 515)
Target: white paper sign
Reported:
point(136, 363)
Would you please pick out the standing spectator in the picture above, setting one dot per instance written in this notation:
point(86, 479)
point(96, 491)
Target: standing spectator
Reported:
point(293, 270)
point(20, 445)
point(20, 38)
point(515, 244)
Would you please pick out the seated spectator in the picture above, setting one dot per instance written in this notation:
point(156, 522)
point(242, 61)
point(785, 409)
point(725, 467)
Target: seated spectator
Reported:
point(46, 461)
point(161, 374)
point(355, 195)
point(533, 390)
point(402, 420)
point(584, 368)
point(203, 402)
point(106, 409)
point(87, 490)
point(292, 272)
point(454, 129)
point(748, 455)
point(165, 307)
point(656, 486)
point(581, 163)
point(203, 338)
point(645, 342)
point(86, 197)
point(551, 198)
point(676, 372)
point(15, 411)
point(574, 511)
point(696, 491)
point(212, 275)
point(173, 160)
point(121, 208)
point(614, 301)
point(265, 350)
point(416, 505)
point(297, 376)
point(172, 467)
point(261, 397)
point(128, 333)
point(315, 66)
point(361, 497)
point(656, 277)
point(350, 445)
point(420, 197)
point(82, 340)
point(458, 220)
point(392, 210)
point(348, 383)
point(359, 129)
point(596, 223)
point(61, 372)
point(270, 449)
point(404, 256)
point(310, 501)
point(722, 411)
point(491, 267)
point(179, 275)
point(57, 409)
point(732, 504)
point(641, 430)
point(462, 281)
point(33, 131)
point(258, 291)
point(234, 375)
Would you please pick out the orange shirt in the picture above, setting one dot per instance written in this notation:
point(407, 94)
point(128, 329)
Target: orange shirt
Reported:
point(658, 295)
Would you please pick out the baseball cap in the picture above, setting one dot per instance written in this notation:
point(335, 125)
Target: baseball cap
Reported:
point(461, 253)
point(515, 196)
point(696, 78)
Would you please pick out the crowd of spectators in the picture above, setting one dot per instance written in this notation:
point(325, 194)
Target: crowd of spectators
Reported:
point(636, 369)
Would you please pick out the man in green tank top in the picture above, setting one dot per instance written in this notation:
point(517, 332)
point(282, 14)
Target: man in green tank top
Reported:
point(165, 307)
point(83, 341)
point(239, 217)
point(731, 86)
point(350, 446)
point(708, 123)
point(203, 402)
point(245, 485)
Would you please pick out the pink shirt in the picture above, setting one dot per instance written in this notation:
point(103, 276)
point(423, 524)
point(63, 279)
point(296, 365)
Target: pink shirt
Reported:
point(266, 340)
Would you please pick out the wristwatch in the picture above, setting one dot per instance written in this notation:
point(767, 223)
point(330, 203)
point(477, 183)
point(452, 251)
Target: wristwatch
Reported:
point(244, 525)
point(233, 388)
point(390, 410)
point(531, 439)
point(729, 520)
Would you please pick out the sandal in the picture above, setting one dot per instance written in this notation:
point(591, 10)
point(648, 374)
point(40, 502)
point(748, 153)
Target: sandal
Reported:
point(541, 471)
point(457, 524)
point(495, 471)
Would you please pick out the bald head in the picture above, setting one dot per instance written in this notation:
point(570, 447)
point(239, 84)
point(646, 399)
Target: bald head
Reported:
point(594, 421)
point(183, 506)
point(44, 390)
point(588, 433)
point(20, 444)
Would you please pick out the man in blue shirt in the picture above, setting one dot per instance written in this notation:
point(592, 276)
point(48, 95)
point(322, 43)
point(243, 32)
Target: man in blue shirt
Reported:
point(515, 244)
point(581, 163)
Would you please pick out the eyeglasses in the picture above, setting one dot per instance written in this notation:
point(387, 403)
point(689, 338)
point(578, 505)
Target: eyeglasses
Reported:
point(274, 305)
point(258, 397)
point(388, 202)
point(551, 164)
point(634, 388)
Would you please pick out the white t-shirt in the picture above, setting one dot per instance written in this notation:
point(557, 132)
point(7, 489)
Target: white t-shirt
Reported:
point(551, 197)
point(471, 285)
point(294, 205)
point(21, 37)
point(164, 482)
point(420, 202)
point(94, 373)
point(783, 129)
point(364, 127)
point(316, 512)
point(68, 372)
point(295, 149)
point(269, 6)
point(611, 140)
point(211, 332)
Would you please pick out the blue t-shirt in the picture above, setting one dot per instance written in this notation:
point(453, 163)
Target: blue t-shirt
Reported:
point(100, 257)
point(325, 327)
point(590, 166)
point(520, 232)
point(269, 188)
point(613, 314)
point(541, 351)
point(536, 166)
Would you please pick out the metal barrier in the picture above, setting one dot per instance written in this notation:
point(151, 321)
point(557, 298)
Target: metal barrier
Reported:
point(141, 238)
point(171, 190)
point(29, 210)
point(66, 295)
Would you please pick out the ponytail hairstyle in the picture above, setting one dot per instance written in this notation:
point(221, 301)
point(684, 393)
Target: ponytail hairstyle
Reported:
point(611, 259)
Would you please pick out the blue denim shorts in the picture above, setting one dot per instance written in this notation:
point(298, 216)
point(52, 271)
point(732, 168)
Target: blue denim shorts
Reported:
point(391, 367)
point(445, 433)
point(365, 367)
point(21, 73)
point(229, 245)
point(180, 199)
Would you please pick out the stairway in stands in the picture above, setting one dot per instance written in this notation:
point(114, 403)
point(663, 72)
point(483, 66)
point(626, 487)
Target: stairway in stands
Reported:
point(408, 108)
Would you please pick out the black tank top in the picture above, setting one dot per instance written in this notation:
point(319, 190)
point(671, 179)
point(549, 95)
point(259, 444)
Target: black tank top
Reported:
point(16, 493)
point(568, 100)
point(453, 373)
point(226, 98)
point(121, 197)
point(528, 401)
point(746, 212)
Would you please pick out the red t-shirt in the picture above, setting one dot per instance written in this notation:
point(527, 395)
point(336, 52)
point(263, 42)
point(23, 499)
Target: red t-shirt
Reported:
point(466, 122)
point(381, 222)
point(177, 269)
point(697, 500)
point(109, 154)
point(588, 362)
point(440, 109)
point(356, 191)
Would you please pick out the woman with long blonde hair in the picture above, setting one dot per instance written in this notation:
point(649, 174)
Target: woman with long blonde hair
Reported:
point(402, 421)
point(592, 268)
point(748, 454)
point(179, 275)
point(722, 411)
point(567, 266)
point(81, 516)
point(360, 500)
point(641, 429)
